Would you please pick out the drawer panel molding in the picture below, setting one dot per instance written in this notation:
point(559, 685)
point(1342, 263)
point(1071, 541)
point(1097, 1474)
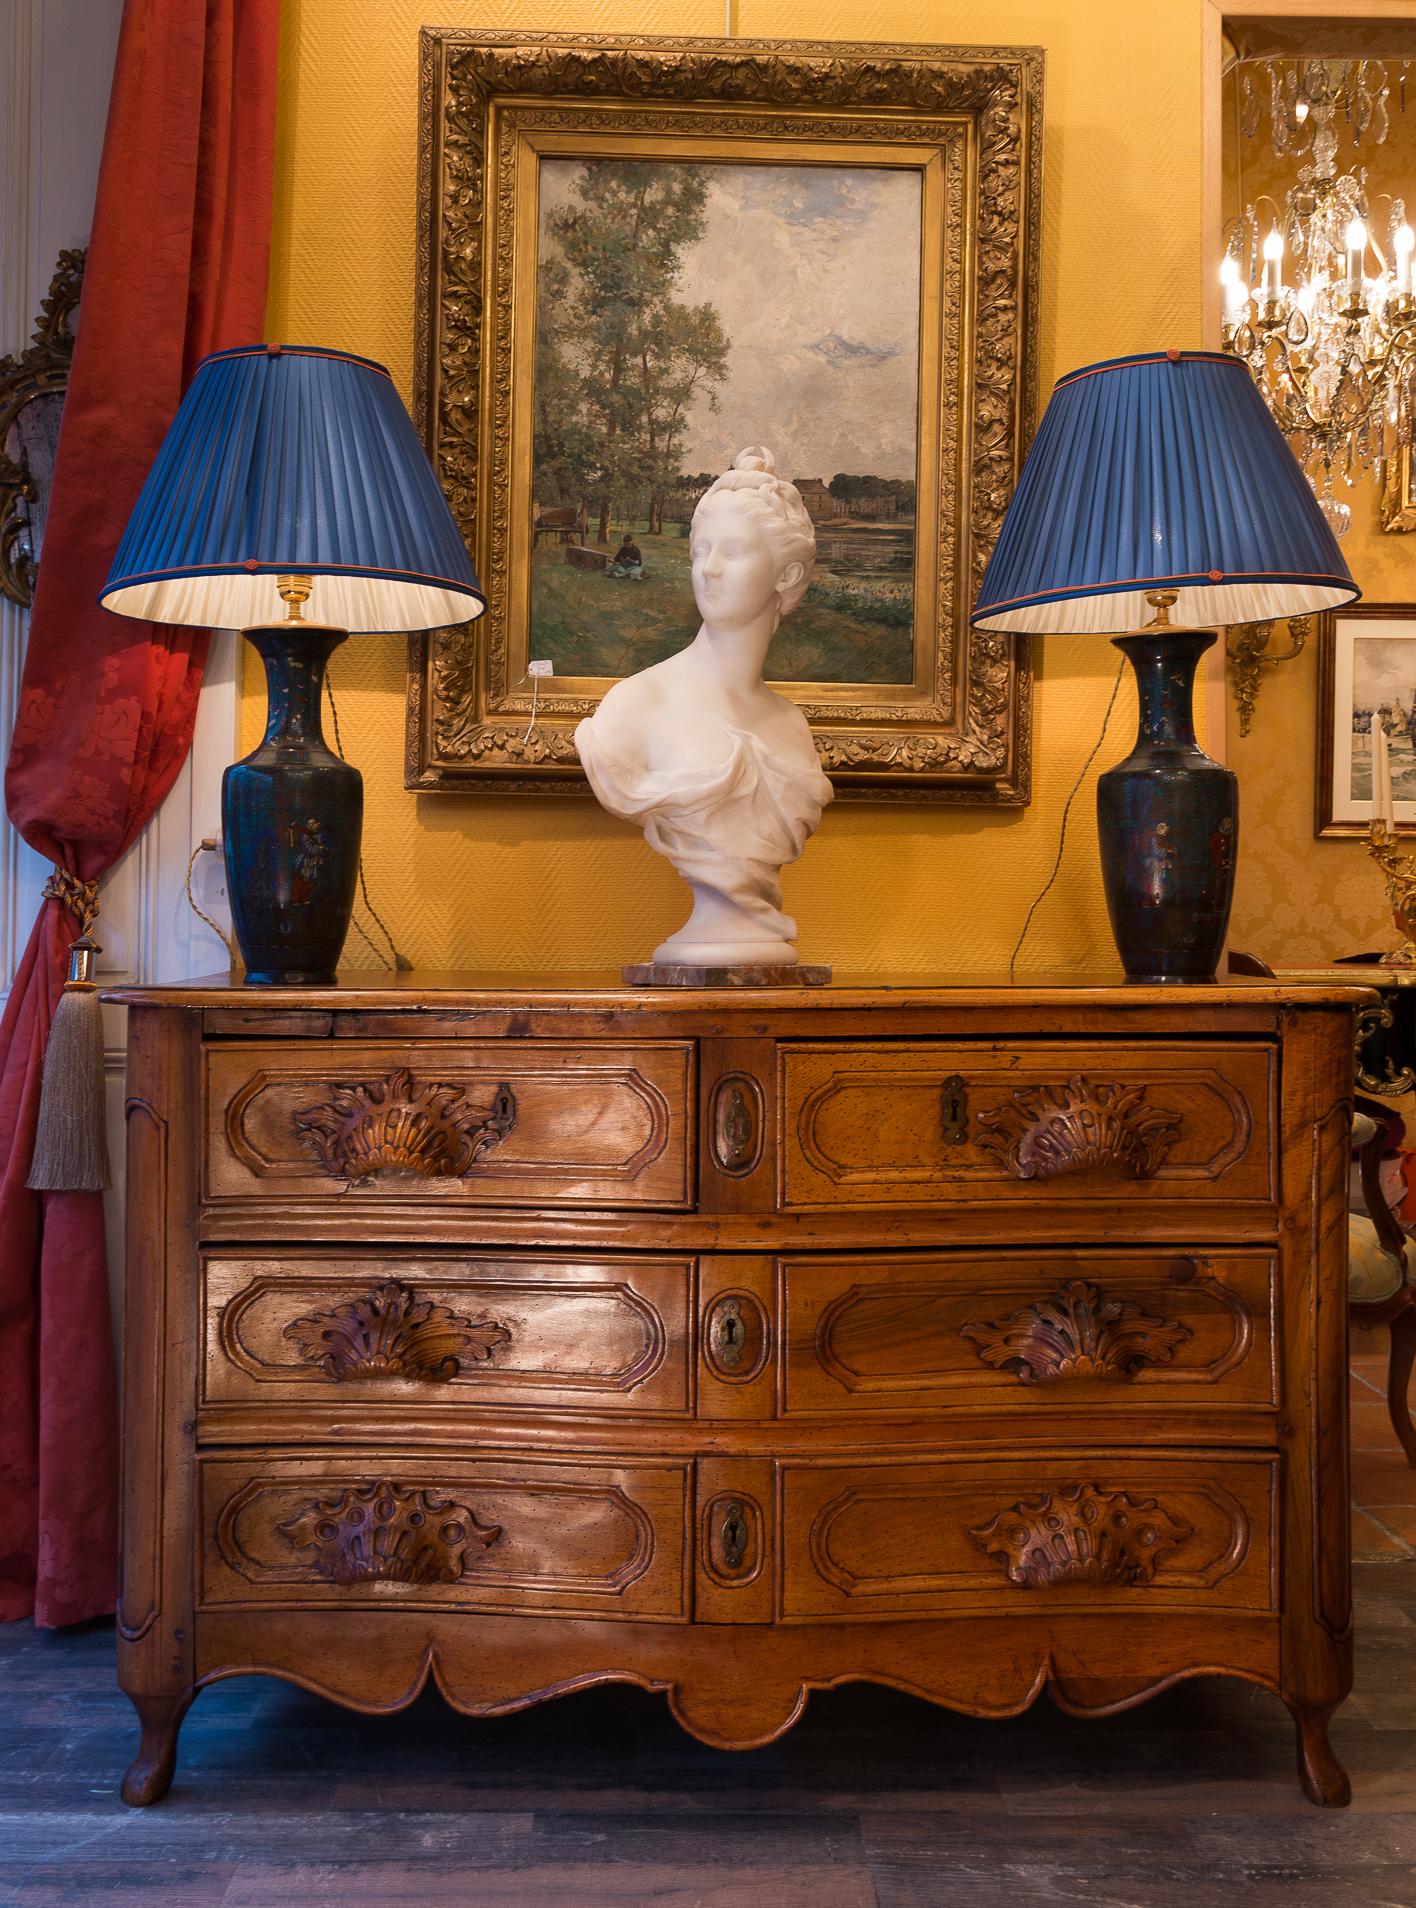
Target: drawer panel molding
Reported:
point(484, 1533)
point(584, 1335)
point(393, 1333)
point(1096, 1532)
point(927, 1124)
point(390, 1126)
point(379, 1532)
point(1055, 1329)
point(501, 1122)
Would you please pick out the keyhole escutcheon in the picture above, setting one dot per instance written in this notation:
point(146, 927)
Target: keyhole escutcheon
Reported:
point(954, 1110)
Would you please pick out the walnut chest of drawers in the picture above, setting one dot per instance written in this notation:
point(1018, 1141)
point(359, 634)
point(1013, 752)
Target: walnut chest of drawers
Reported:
point(976, 1340)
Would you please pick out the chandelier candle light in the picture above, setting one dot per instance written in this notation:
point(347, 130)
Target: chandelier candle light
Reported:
point(1333, 352)
point(1159, 495)
point(292, 475)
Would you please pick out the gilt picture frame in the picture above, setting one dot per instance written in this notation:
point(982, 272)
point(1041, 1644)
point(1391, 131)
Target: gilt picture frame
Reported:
point(638, 256)
point(1366, 664)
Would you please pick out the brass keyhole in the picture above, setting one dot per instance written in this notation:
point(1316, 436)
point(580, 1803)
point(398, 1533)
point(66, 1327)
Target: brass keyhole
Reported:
point(727, 1336)
point(954, 1107)
point(733, 1535)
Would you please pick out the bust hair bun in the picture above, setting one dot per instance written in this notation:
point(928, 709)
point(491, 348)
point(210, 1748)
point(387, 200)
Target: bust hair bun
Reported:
point(755, 457)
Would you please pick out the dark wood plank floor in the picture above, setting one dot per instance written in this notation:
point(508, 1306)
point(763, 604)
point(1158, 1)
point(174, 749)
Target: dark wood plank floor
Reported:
point(874, 1801)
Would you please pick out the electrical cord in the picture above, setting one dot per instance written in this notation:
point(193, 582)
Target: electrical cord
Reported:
point(1066, 812)
point(399, 962)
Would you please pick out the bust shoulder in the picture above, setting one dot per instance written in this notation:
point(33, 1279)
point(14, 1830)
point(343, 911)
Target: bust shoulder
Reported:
point(630, 710)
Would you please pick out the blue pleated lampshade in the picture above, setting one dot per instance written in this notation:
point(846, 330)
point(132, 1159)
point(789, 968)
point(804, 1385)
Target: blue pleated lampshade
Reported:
point(1161, 471)
point(286, 459)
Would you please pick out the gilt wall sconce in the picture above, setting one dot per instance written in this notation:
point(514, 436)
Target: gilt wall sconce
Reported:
point(32, 387)
point(1246, 646)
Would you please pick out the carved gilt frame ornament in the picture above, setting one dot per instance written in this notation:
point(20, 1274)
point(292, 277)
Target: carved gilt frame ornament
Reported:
point(969, 119)
point(41, 371)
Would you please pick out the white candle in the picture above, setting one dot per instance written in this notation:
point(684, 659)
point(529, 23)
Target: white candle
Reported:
point(1273, 265)
point(1236, 292)
point(1383, 807)
point(1355, 239)
point(1403, 243)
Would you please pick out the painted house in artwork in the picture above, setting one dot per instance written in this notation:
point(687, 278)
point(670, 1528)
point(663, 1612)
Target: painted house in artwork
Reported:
point(816, 496)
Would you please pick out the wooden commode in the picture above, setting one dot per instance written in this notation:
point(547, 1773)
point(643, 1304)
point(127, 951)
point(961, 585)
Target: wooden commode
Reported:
point(974, 1339)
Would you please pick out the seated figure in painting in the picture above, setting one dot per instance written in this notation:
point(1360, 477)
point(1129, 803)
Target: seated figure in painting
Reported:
point(628, 560)
point(720, 771)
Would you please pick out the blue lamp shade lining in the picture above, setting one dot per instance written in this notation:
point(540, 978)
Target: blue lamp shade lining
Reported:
point(291, 460)
point(1163, 471)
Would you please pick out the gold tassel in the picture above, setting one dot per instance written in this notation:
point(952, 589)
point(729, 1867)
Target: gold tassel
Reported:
point(70, 1142)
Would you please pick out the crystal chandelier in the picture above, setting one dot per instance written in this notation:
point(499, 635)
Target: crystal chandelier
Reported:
point(1321, 308)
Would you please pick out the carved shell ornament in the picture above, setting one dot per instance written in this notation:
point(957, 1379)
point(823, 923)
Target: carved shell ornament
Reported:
point(1076, 1334)
point(1082, 1534)
point(392, 1333)
point(1046, 1131)
point(383, 1533)
point(386, 1126)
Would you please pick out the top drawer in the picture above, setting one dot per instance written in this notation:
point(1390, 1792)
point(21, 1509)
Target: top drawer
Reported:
point(496, 1122)
point(924, 1123)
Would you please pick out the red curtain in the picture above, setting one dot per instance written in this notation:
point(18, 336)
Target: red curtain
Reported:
point(176, 268)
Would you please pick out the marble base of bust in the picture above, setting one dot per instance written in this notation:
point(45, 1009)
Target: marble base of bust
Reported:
point(744, 974)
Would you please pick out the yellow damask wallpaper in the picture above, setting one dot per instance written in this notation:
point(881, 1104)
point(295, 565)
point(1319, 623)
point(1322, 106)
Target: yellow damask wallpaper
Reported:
point(548, 882)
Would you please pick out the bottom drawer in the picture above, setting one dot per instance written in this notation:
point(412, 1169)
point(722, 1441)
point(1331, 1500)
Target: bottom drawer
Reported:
point(489, 1533)
point(1071, 1531)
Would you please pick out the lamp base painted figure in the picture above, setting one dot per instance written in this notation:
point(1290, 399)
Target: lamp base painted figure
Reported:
point(1168, 821)
point(720, 771)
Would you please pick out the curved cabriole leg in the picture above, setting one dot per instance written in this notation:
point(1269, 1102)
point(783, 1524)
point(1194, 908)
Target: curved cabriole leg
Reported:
point(1403, 1356)
point(1323, 1777)
point(150, 1775)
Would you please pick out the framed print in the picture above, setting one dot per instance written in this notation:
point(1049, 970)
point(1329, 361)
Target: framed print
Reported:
point(638, 257)
point(1366, 669)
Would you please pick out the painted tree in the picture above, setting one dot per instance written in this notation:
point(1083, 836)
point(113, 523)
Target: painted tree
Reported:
point(640, 356)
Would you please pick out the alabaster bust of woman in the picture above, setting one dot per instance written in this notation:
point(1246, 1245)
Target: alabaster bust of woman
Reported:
point(719, 770)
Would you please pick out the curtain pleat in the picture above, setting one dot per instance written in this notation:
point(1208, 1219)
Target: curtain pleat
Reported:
point(176, 268)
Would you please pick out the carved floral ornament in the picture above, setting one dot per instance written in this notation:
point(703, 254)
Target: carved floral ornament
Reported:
point(389, 1126)
point(961, 729)
point(383, 1533)
point(1076, 1334)
point(392, 1333)
point(1082, 1534)
point(1044, 1132)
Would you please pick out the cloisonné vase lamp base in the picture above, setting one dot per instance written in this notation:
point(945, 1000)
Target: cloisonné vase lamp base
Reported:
point(1156, 483)
point(1167, 818)
point(289, 469)
point(291, 815)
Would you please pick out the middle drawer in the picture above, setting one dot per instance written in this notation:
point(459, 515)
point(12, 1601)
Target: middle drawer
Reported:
point(572, 1334)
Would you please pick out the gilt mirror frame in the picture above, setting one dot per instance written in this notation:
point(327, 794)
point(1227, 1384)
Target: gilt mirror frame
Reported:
point(39, 372)
point(493, 104)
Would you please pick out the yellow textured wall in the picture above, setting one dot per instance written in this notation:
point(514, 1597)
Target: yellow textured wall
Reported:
point(549, 882)
point(1298, 899)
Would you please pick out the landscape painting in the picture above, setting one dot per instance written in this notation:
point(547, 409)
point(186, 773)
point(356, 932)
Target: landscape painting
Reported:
point(639, 258)
point(684, 311)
